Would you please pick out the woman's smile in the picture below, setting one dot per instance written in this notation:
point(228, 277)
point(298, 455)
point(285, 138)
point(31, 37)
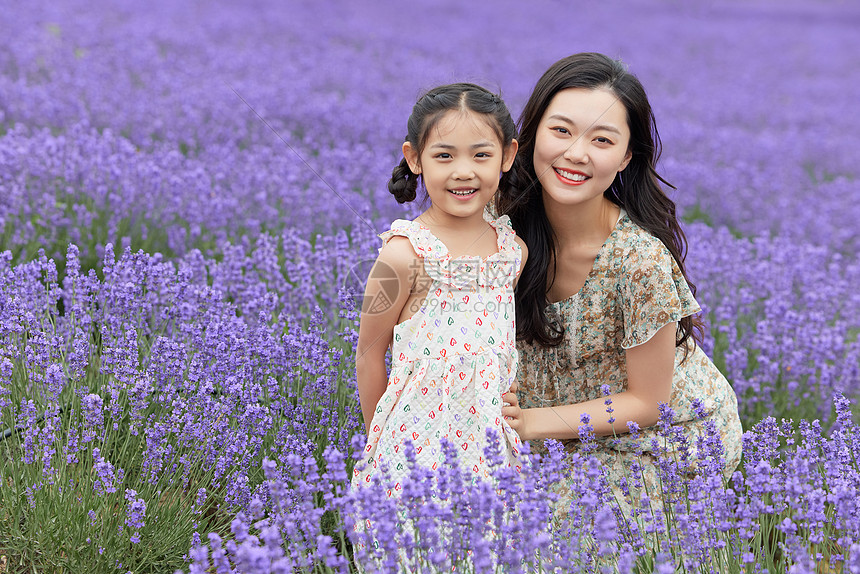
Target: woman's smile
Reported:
point(571, 177)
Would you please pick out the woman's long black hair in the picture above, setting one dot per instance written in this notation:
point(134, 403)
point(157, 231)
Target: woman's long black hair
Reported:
point(636, 189)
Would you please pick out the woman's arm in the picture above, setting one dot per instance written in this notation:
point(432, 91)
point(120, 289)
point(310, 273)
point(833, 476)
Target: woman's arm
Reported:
point(376, 327)
point(650, 367)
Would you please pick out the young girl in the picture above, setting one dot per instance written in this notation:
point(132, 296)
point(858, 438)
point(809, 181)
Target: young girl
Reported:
point(440, 295)
point(604, 306)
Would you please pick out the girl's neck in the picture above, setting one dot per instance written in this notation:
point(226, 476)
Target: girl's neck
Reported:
point(435, 218)
point(584, 224)
point(468, 236)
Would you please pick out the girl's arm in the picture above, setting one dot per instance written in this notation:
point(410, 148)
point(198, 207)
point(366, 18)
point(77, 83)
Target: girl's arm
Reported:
point(380, 312)
point(650, 367)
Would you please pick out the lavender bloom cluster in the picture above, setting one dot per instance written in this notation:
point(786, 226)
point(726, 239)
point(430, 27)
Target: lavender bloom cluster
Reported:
point(795, 508)
point(186, 191)
point(153, 393)
point(783, 320)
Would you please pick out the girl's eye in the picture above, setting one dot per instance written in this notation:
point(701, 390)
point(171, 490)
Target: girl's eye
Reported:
point(482, 154)
point(603, 140)
point(560, 130)
point(443, 155)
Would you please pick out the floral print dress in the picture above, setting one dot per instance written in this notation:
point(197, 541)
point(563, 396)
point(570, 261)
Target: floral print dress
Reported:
point(451, 362)
point(635, 287)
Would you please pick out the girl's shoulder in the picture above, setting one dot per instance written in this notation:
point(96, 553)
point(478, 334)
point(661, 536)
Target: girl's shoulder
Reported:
point(397, 256)
point(511, 247)
point(419, 238)
point(504, 229)
point(400, 252)
point(399, 227)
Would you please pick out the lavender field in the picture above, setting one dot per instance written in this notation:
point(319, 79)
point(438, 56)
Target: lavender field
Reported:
point(190, 193)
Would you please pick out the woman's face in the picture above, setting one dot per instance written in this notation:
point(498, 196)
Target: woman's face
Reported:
point(582, 141)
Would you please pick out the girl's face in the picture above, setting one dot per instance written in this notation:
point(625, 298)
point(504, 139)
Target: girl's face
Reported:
point(460, 164)
point(582, 142)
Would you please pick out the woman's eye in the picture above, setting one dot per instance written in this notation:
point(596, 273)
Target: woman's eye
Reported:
point(482, 154)
point(561, 130)
point(603, 140)
point(443, 155)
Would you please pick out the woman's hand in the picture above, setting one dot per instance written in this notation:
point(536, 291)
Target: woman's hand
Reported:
point(511, 409)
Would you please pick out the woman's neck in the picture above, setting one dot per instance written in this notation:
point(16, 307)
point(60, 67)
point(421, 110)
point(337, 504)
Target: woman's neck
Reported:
point(585, 224)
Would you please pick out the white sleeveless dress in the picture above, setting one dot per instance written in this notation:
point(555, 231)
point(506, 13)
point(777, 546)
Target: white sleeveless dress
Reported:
point(451, 362)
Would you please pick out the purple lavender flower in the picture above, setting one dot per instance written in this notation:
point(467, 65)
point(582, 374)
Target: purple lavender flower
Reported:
point(108, 478)
point(135, 514)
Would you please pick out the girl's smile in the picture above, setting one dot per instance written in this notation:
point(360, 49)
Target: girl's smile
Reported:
point(464, 192)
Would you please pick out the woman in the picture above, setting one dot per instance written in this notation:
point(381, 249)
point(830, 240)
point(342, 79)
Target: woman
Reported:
point(604, 308)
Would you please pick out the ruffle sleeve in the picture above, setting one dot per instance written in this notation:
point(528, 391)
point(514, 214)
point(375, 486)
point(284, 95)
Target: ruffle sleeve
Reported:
point(422, 242)
point(510, 254)
point(653, 292)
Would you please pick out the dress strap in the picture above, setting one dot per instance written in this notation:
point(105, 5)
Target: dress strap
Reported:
point(507, 245)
